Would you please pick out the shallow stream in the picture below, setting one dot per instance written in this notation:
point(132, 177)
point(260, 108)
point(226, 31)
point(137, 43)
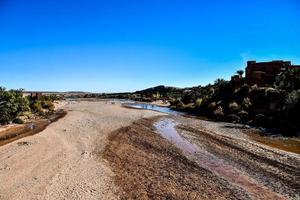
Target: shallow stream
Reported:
point(282, 143)
point(153, 107)
point(167, 129)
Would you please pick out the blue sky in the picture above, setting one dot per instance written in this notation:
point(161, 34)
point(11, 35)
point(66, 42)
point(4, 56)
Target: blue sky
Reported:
point(127, 45)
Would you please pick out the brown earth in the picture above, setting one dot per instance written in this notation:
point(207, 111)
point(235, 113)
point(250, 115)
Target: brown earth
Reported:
point(147, 166)
point(277, 170)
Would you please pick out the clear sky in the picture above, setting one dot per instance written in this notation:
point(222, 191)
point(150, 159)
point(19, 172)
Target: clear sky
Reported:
point(127, 45)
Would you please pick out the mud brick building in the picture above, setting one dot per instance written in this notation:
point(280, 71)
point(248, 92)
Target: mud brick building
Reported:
point(36, 95)
point(264, 73)
point(33, 95)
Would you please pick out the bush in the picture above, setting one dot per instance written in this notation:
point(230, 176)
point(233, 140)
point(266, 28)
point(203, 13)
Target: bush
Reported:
point(288, 80)
point(291, 110)
point(43, 105)
point(174, 102)
point(12, 104)
point(292, 100)
point(241, 93)
point(218, 113)
point(177, 104)
point(246, 102)
point(234, 107)
point(199, 102)
point(36, 107)
point(189, 106)
point(48, 105)
point(212, 105)
point(18, 121)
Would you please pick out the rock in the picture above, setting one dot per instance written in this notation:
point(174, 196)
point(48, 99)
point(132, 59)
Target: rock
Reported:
point(24, 143)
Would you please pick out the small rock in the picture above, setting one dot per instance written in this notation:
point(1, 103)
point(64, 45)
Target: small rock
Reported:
point(25, 143)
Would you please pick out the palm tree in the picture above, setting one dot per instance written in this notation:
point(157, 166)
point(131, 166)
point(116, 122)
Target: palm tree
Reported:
point(240, 72)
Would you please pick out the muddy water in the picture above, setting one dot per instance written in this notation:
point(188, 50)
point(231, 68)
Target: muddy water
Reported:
point(166, 128)
point(283, 143)
point(24, 130)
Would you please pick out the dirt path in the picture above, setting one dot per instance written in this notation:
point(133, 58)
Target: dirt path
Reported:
point(59, 162)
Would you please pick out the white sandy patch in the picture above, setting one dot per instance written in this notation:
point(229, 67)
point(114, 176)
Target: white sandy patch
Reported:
point(59, 163)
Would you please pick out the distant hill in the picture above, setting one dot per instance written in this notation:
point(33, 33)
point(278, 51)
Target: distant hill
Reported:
point(161, 90)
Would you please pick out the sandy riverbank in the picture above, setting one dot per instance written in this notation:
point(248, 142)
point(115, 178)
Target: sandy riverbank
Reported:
point(59, 162)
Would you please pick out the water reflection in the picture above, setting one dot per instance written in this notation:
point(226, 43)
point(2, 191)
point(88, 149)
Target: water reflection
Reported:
point(166, 128)
point(153, 107)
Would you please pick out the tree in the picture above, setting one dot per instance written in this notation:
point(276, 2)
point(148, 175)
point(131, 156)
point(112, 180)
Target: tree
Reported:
point(12, 104)
point(288, 80)
point(219, 82)
point(240, 72)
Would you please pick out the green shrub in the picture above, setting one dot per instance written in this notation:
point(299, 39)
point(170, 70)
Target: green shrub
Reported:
point(180, 105)
point(36, 107)
point(12, 104)
point(199, 102)
point(45, 98)
point(48, 105)
point(18, 121)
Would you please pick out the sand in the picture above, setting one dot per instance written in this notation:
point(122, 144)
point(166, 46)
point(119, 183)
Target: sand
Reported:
point(60, 162)
point(101, 150)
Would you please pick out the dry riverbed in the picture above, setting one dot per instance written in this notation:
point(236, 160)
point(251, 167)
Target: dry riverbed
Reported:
point(101, 150)
point(202, 160)
point(60, 161)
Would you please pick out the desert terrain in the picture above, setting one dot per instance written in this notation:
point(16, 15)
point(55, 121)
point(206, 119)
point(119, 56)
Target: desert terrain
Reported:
point(101, 150)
